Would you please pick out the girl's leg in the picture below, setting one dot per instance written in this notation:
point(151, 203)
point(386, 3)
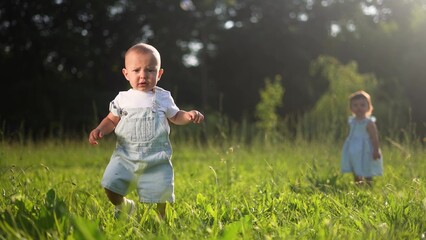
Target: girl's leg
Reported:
point(369, 181)
point(363, 180)
point(358, 179)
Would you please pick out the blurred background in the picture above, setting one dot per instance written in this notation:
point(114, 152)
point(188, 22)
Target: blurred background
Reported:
point(61, 61)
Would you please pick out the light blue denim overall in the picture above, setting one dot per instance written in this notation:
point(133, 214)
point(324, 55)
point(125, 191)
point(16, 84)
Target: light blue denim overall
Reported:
point(142, 157)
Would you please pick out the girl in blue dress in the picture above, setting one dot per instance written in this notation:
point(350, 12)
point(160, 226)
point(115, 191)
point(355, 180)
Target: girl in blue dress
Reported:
point(361, 153)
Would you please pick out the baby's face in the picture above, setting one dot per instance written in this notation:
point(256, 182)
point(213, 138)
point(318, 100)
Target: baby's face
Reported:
point(360, 107)
point(142, 70)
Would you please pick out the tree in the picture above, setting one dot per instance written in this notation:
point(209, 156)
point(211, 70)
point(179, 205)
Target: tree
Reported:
point(62, 59)
point(332, 110)
point(266, 110)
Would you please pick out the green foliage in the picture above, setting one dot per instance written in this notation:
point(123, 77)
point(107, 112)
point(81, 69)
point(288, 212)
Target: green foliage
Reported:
point(418, 19)
point(266, 110)
point(25, 217)
point(86, 229)
point(236, 192)
point(62, 47)
point(331, 111)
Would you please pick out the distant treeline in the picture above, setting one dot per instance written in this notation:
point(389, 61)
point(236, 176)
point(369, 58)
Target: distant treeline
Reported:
point(61, 60)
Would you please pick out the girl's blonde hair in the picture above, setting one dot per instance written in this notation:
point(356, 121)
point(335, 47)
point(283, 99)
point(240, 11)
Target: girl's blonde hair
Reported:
point(362, 95)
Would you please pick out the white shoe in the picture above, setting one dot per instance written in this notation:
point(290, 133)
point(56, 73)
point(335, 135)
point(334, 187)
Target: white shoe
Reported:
point(126, 208)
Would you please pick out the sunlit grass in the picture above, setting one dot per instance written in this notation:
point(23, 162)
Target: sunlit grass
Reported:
point(286, 190)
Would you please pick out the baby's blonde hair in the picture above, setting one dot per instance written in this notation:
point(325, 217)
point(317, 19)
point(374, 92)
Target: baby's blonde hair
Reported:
point(362, 95)
point(145, 48)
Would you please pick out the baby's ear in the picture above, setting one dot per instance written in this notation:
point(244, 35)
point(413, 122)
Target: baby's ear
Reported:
point(160, 73)
point(124, 71)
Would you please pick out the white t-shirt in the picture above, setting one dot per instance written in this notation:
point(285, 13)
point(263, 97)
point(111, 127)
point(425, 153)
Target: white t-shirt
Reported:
point(139, 99)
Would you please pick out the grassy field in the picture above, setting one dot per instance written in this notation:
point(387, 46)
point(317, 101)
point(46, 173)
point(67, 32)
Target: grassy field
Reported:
point(290, 190)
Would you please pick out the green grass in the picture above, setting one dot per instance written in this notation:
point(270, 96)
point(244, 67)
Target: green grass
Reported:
point(51, 190)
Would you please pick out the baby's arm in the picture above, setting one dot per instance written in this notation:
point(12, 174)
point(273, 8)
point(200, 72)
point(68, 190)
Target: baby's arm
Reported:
point(184, 117)
point(106, 126)
point(374, 136)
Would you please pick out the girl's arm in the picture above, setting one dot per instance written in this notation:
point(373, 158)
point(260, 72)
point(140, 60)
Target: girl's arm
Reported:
point(106, 126)
point(184, 117)
point(374, 136)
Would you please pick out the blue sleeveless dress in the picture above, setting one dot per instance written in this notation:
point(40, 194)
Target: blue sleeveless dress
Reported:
point(357, 154)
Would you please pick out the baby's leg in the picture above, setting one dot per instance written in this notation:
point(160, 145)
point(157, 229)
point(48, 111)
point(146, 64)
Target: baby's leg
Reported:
point(161, 209)
point(113, 197)
point(121, 204)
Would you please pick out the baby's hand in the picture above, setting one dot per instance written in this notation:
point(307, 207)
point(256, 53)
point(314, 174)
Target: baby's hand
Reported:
point(376, 155)
point(196, 116)
point(95, 135)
